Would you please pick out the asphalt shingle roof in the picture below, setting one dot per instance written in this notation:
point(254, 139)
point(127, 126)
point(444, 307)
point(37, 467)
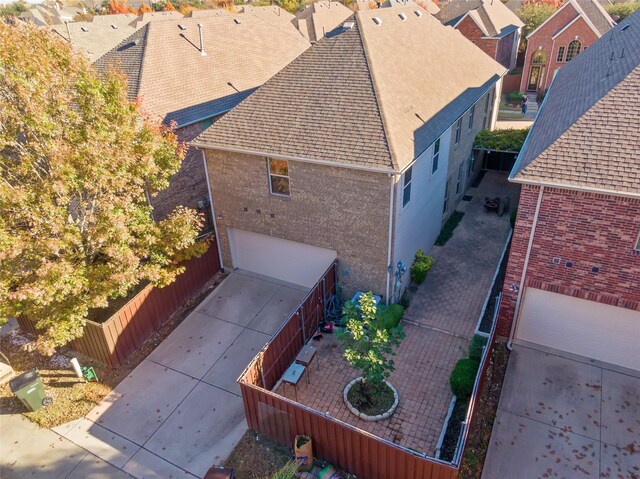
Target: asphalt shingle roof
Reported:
point(372, 96)
point(492, 16)
point(588, 130)
point(174, 82)
point(596, 14)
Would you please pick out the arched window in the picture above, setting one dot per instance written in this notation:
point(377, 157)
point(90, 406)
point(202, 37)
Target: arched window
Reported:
point(573, 50)
point(539, 57)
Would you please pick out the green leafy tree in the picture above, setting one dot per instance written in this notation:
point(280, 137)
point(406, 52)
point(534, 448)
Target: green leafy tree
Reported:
point(13, 9)
point(368, 343)
point(77, 161)
point(620, 11)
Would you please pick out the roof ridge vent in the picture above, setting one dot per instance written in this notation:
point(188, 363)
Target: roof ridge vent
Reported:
point(377, 21)
point(114, 26)
point(402, 16)
point(182, 27)
point(418, 13)
point(237, 20)
point(84, 29)
point(348, 25)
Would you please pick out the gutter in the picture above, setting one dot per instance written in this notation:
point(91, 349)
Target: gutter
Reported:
point(294, 158)
point(587, 189)
point(213, 211)
point(391, 204)
point(516, 314)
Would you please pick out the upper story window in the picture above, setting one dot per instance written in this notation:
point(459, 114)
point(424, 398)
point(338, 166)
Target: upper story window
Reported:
point(436, 156)
point(574, 48)
point(278, 177)
point(472, 112)
point(458, 128)
point(560, 56)
point(638, 243)
point(406, 188)
point(487, 99)
point(539, 57)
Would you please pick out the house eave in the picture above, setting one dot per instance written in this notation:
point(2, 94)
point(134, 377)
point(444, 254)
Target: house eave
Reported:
point(574, 187)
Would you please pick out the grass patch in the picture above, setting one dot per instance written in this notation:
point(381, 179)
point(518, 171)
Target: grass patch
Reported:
point(447, 230)
point(369, 400)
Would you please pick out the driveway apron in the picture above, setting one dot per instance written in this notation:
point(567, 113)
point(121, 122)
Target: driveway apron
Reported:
point(180, 411)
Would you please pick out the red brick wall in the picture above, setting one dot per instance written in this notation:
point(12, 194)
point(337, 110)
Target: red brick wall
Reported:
point(586, 229)
point(542, 39)
point(472, 32)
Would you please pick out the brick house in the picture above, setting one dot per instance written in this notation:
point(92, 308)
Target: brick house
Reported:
point(489, 24)
point(575, 26)
point(188, 84)
point(573, 277)
point(359, 138)
point(317, 19)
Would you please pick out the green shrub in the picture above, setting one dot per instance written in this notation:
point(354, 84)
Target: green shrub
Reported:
point(501, 140)
point(476, 346)
point(390, 315)
point(447, 230)
point(515, 96)
point(420, 267)
point(620, 11)
point(462, 377)
point(288, 471)
point(512, 218)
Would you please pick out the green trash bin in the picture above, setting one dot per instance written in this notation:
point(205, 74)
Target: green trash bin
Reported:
point(29, 389)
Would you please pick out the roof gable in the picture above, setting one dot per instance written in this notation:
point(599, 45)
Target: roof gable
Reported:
point(366, 95)
point(589, 138)
point(590, 10)
point(492, 17)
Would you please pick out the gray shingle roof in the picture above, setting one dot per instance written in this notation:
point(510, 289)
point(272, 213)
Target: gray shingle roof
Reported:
point(372, 96)
point(174, 82)
point(588, 130)
point(597, 15)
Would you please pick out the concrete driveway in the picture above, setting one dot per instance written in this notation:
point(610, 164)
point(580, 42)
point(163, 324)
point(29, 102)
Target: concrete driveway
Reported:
point(565, 416)
point(180, 411)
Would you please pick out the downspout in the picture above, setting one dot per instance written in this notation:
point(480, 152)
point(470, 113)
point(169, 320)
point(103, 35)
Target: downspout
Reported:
point(516, 314)
point(391, 196)
point(551, 57)
point(213, 211)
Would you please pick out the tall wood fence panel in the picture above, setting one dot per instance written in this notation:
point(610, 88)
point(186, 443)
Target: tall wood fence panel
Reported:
point(114, 340)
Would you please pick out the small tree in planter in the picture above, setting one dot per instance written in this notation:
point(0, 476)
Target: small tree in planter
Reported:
point(368, 345)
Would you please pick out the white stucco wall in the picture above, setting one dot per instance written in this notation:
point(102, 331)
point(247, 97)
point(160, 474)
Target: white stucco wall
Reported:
point(418, 224)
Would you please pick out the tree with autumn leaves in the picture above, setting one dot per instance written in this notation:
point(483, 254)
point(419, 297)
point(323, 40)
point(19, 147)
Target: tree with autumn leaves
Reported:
point(78, 161)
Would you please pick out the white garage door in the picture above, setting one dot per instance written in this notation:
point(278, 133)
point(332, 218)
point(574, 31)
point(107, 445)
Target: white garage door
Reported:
point(297, 263)
point(587, 328)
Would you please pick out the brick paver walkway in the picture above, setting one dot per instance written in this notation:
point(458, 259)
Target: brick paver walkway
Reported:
point(439, 324)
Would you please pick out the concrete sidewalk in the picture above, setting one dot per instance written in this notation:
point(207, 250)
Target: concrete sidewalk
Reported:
point(180, 411)
point(27, 450)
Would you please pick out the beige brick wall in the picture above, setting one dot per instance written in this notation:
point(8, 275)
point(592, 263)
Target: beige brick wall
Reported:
point(336, 208)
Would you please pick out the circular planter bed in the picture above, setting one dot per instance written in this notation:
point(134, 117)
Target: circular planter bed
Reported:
point(385, 404)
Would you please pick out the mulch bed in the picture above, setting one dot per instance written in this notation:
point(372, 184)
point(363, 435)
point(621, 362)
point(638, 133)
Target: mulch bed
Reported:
point(485, 414)
point(378, 401)
point(72, 397)
point(257, 457)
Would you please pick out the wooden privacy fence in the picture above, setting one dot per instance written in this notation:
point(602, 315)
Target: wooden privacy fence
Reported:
point(114, 340)
point(337, 442)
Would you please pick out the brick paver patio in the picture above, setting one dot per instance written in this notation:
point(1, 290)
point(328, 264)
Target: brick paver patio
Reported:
point(439, 324)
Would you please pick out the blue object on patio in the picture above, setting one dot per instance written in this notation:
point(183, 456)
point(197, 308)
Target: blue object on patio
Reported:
point(292, 376)
point(356, 298)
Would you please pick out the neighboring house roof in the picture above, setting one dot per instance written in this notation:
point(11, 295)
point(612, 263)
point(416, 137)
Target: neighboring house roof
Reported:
point(492, 17)
point(116, 19)
point(174, 82)
point(215, 12)
point(590, 10)
point(369, 95)
point(319, 18)
point(95, 38)
point(588, 129)
point(269, 12)
point(147, 17)
point(428, 5)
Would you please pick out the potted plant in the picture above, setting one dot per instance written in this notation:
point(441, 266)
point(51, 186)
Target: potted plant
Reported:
point(369, 342)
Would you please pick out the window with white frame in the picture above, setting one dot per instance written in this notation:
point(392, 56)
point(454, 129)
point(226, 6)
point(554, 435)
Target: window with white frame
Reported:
point(638, 243)
point(458, 128)
point(487, 99)
point(573, 49)
point(459, 182)
point(471, 114)
point(471, 162)
point(560, 56)
point(406, 186)
point(278, 177)
point(436, 156)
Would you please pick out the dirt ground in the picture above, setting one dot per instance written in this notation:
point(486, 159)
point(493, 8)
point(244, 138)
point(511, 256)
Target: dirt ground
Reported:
point(74, 397)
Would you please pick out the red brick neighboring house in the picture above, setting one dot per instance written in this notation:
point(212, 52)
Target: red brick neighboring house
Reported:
point(568, 32)
point(573, 277)
point(489, 24)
